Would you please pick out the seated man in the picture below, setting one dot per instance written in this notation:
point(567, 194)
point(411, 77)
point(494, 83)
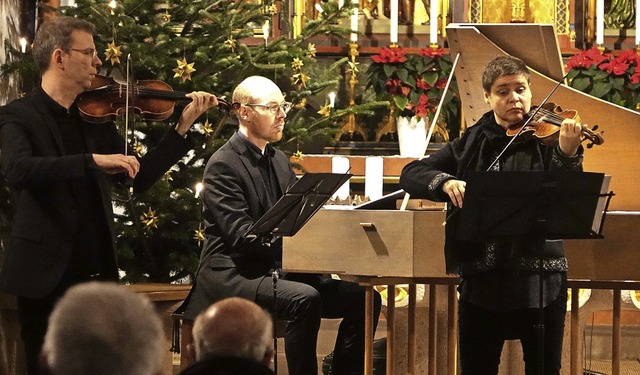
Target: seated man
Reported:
point(242, 180)
point(232, 336)
point(101, 328)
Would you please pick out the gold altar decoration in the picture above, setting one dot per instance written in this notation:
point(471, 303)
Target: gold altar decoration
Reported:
point(554, 12)
point(351, 126)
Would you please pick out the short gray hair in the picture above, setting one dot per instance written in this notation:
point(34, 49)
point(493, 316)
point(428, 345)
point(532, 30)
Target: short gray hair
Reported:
point(56, 33)
point(233, 327)
point(101, 328)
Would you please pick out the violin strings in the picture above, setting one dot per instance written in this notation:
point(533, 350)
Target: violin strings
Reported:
point(547, 114)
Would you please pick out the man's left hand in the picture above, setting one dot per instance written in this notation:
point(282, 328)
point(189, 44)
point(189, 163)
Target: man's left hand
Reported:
point(200, 102)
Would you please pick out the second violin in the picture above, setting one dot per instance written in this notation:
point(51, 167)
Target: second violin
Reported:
point(545, 123)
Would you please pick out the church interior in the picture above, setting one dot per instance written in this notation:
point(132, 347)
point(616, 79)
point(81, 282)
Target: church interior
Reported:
point(331, 58)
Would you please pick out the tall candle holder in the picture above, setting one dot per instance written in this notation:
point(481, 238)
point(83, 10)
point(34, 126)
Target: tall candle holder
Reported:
point(351, 127)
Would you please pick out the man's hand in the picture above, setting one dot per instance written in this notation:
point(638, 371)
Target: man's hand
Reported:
point(455, 190)
point(117, 163)
point(200, 102)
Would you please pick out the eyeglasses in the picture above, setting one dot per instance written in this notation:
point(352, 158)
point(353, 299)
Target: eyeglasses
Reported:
point(274, 108)
point(88, 51)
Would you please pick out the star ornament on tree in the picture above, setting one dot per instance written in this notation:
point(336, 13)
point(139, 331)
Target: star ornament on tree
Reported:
point(113, 53)
point(183, 70)
point(198, 234)
point(149, 219)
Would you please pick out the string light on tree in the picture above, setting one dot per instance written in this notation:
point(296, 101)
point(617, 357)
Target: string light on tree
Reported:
point(23, 45)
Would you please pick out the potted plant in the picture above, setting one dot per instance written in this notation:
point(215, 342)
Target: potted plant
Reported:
point(414, 84)
point(615, 79)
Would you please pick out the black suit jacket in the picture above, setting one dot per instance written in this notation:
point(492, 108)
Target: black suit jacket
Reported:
point(235, 196)
point(40, 173)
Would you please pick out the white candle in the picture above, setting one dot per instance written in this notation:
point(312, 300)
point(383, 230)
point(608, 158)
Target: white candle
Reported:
point(23, 45)
point(265, 31)
point(373, 177)
point(340, 164)
point(354, 23)
point(433, 22)
point(340, 4)
point(332, 99)
point(599, 22)
point(113, 4)
point(637, 23)
point(393, 32)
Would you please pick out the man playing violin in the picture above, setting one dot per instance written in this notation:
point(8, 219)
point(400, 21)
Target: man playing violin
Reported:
point(60, 170)
point(499, 290)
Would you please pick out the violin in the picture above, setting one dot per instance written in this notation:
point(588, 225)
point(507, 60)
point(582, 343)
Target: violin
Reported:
point(149, 99)
point(544, 126)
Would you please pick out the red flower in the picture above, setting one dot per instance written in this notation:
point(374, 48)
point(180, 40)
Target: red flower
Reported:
point(431, 52)
point(390, 55)
point(441, 84)
point(422, 107)
point(586, 58)
point(635, 77)
point(422, 84)
point(616, 67)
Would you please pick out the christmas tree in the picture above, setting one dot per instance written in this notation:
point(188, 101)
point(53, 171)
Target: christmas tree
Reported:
point(206, 45)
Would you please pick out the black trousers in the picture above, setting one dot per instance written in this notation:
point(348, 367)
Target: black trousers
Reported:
point(303, 299)
point(482, 335)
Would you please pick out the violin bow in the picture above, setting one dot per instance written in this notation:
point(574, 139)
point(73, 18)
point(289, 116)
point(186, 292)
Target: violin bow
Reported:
point(405, 200)
point(128, 98)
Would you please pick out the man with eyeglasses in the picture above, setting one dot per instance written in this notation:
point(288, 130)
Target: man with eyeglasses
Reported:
point(60, 170)
point(242, 180)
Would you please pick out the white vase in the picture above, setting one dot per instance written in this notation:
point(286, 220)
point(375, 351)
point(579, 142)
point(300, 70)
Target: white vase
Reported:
point(412, 136)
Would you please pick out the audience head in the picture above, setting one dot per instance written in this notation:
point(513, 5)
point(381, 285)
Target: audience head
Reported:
point(101, 328)
point(234, 327)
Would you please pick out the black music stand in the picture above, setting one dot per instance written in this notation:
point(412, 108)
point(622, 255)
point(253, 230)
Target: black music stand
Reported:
point(290, 213)
point(535, 204)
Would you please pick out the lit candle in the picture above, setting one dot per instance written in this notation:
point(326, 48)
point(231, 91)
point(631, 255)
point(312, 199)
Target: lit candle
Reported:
point(433, 22)
point(198, 189)
point(265, 32)
point(599, 22)
point(113, 4)
point(354, 23)
point(23, 45)
point(340, 164)
point(393, 32)
point(373, 177)
point(332, 99)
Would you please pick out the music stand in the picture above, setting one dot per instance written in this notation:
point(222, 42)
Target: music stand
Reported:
point(536, 204)
point(290, 213)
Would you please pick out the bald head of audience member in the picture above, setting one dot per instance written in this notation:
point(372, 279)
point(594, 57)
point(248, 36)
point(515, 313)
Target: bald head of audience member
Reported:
point(102, 328)
point(234, 327)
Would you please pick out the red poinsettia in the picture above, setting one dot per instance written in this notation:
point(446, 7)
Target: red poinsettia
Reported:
point(413, 82)
point(603, 75)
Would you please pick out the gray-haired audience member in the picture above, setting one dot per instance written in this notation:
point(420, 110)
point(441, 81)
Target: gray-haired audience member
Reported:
point(101, 328)
point(234, 327)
